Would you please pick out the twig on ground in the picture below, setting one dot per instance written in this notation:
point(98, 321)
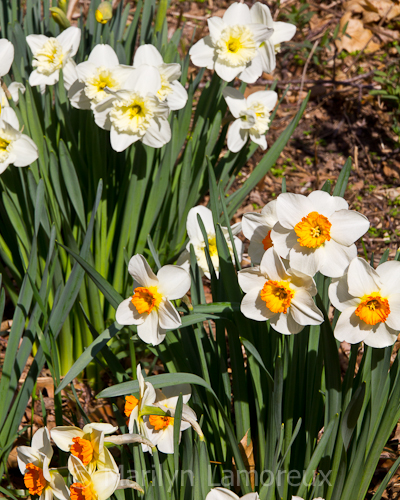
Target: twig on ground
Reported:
point(305, 69)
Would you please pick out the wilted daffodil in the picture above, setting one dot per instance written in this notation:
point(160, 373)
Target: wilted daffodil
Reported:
point(257, 228)
point(149, 307)
point(282, 32)
point(369, 300)
point(160, 428)
point(231, 48)
point(98, 485)
point(317, 232)
point(102, 70)
point(53, 54)
point(15, 148)
point(171, 91)
point(284, 297)
point(34, 461)
point(136, 113)
point(87, 444)
point(197, 240)
point(252, 117)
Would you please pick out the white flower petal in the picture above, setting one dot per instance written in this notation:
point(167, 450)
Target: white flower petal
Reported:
point(227, 73)
point(14, 88)
point(251, 278)
point(222, 494)
point(145, 79)
point(325, 204)
point(259, 139)
point(381, 336)
point(235, 100)
point(272, 266)
point(202, 53)
point(141, 272)
point(192, 225)
point(103, 55)
point(253, 307)
point(36, 42)
point(336, 258)
point(101, 427)
point(350, 328)
point(70, 39)
point(6, 56)
point(237, 136)
point(266, 97)
point(158, 133)
point(174, 282)
point(64, 434)
point(104, 483)
point(237, 13)
point(291, 208)
point(8, 115)
point(120, 141)
point(261, 14)
point(170, 72)
point(41, 442)
point(285, 323)
point(304, 310)
point(253, 70)
point(339, 294)
point(177, 99)
point(25, 150)
point(362, 278)
point(348, 226)
point(150, 331)
point(283, 239)
point(267, 56)
point(283, 32)
point(252, 221)
point(393, 320)
point(215, 27)
point(78, 471)
point(36, 78)
point(147, 54)
point(57, 486)
point(126, 314)
point(389, 273)
point(306, 260)
point(168, 316)
point(70, 74)
point(77, 96)
point(27, 455)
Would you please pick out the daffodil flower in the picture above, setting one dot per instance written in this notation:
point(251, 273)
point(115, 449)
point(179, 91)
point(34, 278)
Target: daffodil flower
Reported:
point(33, 462)
point(6, 56)
point(284, 297)
point(149, 307)
point(135, 113)
point(282, 32)
point(197, 240)
point(53, 54)
point(160, 428)
point(231, 48)
point(101, 71)
point(13, 90)
point(225, 494)
point(317, 232)
point(369, 300)
point(15, 148)
point(257, 228)
point(87, 444)
point(171, 91)
point(98, 485)
point(252, 117)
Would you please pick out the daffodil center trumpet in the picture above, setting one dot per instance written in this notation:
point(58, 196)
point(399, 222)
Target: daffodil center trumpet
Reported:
point(373, 309)
point(313, 230)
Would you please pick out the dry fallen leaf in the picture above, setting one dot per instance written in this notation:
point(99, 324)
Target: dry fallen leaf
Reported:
point(356, 36)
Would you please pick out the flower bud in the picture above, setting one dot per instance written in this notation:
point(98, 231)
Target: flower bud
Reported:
point(104, 12)
point(59, 17)
point(63, 4)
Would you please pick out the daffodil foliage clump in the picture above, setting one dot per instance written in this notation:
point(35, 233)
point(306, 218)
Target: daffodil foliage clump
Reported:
point(106, 245)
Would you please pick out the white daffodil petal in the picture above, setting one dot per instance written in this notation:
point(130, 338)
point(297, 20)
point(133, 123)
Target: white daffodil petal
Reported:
point(336, 258)
point(147, 54)
point(266, 97)
point(25, 150)
point(251, 278)
point(393, 320)
point(120, 141)
point(57, 486)
point(253, 70)
point(283, 32)
point(362, 278)
point(127, 314)
point(253, 307)
point(261, 14)
point(235, 100)
point(141, 272)
point(272, 266)
point(105, 482)
point(70, 74)
point(150, 331)
point(41, 442)
point(70, 39)
point(101, 427)
point(63, 436)
point(304, 310)
point(158, 133)
point(283, 239)
point(168, 316)
point(237, 13)
point(27, 455)
point(237, 136)
point(326, 204)
point(103, 55)
point(306, 260)
point(348, 226)
point(389, 274)
point(77, 470)
point(227, 73)
point(192, 225)
point(250, 223)
point(291, 208)
point(350, 328)
point(259, 139)
point(174, 282)
point(221, 494)
point(285, 323)
point(202, 53)
point(8, 115)
point(215, 27)
point(145, 79)
point(36, 42)
point(177, 99)
point(14, 88)
point(339, 294)
point(6, 56)
point(381, 336)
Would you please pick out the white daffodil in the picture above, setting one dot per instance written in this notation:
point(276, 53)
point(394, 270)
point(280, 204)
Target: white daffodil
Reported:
point(284, 297)
point(197, 240)
point(252, 117)
point(102, 70)
point(171, 91)
point(160, 429)
point(369, 300)
point(149, 307)
point(136, 113)
point(51, 55)
point(87, 444)
point(33, 462)
point(13, 90)
point(257, 228)
point(98, 485)
point(15, 147)
point(282, 32)
point(231, 48)
point(6, 56)
point(224, 494)
point(317, 232)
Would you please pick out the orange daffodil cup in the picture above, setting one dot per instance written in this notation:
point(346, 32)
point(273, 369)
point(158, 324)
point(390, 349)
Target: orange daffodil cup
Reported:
point(282, 296)
point(317, 232)
point(150, 306)
point(369, 301)
point(34, 461)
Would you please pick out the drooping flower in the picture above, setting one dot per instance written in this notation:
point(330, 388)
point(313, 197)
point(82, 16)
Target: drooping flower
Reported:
point(369, 300)
point(53, 54)
point(282, 32)
point(6, 56)
point(15, 148)
point(149, 307)
point(231, 48)
point(252, 117)
point(98, 485)
point(171, 91)
point(34, 461)
point(135, 113)
point(317, 232)
point(101, 71)
point(197, 240)
point(284, 297)
point(87, 444)
point(160, 428)
point(257, 228)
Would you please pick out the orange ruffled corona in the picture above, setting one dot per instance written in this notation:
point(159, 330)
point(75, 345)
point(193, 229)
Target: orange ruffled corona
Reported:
point(373, 309)
point(80, 492)
point(145, 299)
point(130, 404)
point(267, 242)
point(277, 296)
point(313, 230)
point(34, 479)
point(82, 449)
point(159, 422)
